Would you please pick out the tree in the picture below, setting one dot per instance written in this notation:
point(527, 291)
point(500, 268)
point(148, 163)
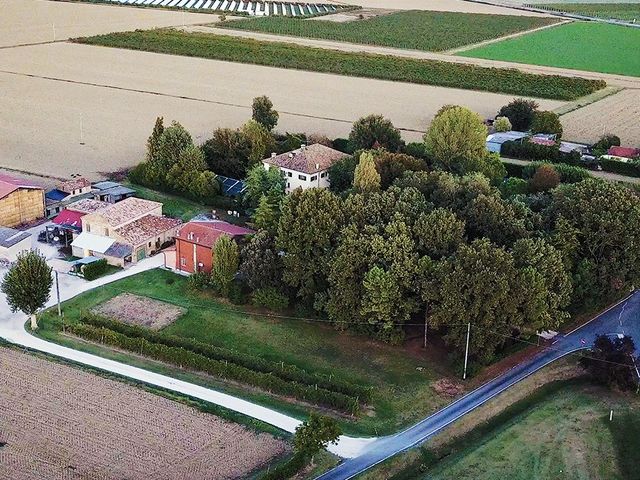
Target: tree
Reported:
point(341, 174)
point(267, 214)
point(262, 142)
point(263, 112)
point(547, 122)
point(393, 165)
point(227, 152)
point(261, 263)
point(315, 434)
point(545, 178)
point(153, 142)
point(456, 139)
point(307, 233)
point(382, 302)
point(261, 182)
point(365, 177)
point(226, 261)
point(611, 362)
point(205, 188)
point(520, 113)
point(183, 174)
point(375, 131)
point(606, 142)
point(606, 217)
point(502, 124)
point(27, 284)
point(438, 233)
point(492, 217)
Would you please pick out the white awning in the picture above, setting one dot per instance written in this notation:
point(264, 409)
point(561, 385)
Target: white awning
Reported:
point(95, 243)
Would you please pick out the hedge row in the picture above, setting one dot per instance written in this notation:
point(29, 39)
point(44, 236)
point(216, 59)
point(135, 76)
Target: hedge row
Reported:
point(568, 173)
point(287, 469)
point(386, 67)
point(533, 151)
point(95, 270)
point(631, 169)
point(219, 368)
point(281, 370)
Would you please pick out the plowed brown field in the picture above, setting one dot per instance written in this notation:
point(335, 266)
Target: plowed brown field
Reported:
point(58, 422)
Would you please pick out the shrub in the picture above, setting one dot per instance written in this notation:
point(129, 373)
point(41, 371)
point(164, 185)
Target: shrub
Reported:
point(287, 469)
point(271, 299)
point(547, 122)
point(630, 169)
point(343, 145)
point(199, 280)
point(520, 113)
point(95, 269)
point(417, 150)
point(568, 173)
point(341, 174)
point(545, 178)
point(514, 170)
point(533, 151)
point(514, 186)
point(606, 142)
point(502, 124)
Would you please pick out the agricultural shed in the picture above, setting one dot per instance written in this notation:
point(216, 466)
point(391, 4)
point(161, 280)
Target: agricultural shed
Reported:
point(495, 140)
point(20, 201)
point(12, 242)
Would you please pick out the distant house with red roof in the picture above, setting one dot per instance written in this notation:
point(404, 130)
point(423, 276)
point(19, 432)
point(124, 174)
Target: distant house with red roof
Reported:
point(195, 241)
point(20, 201)
point(624, 152)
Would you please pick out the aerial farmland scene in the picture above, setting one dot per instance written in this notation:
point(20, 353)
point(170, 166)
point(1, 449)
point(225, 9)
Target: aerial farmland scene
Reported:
point(360, 239)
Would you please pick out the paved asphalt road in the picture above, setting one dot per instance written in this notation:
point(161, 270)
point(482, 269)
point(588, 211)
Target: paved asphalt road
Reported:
point(623, 318)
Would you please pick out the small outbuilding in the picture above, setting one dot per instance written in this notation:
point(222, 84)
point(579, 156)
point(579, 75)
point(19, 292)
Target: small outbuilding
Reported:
point(495, 140)
point(13, 242)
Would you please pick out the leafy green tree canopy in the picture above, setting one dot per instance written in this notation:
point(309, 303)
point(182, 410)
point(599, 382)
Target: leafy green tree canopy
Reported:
point(375, 131)
point(365, 177)
point(263, 112)
point(315, 434)
point(547, 122)
point(520, 113)
point(226, 261)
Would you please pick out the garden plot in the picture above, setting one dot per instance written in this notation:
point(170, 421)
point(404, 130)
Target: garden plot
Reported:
point(64, 423)
point(142, 311)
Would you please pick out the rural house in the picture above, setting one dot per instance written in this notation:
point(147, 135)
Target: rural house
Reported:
point(20, 201)
point(305, 167)
point(64, 193)
point(111, 192)
point(123, 232)
point(71, 217)
point(13, 242)
point(195, 241)
point(623, 154)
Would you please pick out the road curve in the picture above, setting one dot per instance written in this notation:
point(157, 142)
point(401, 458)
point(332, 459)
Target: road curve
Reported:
point(621, 318)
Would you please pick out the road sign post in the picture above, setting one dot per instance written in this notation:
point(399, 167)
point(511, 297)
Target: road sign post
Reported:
point(466, 353)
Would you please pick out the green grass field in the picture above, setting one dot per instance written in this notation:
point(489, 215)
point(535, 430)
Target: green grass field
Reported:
point(286, 55)
point(595, 47)
point(418, 30)
point(561, 431)
point(621, 11)
point(402, 394)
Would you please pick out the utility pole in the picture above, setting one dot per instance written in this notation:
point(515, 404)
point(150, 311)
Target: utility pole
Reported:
point(58, 294)
point(425, 331)
point(81, 130)
point(466, 353)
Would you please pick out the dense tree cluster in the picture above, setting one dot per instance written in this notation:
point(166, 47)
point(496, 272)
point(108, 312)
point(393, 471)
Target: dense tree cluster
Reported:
point(611, 362)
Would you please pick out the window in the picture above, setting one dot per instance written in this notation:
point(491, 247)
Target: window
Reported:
point(183, 262)
point(149, 244)
point(314, 178)
point(323, 174)
point(87, 227)
point(288, 185)
point(289, 174)
point(302, 177)
point(106, 232)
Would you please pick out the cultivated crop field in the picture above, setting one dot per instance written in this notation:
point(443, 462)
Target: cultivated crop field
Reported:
point(590, 46)
point(621, 11)
point(60, 422)
point(286, 55)
point(414, 29)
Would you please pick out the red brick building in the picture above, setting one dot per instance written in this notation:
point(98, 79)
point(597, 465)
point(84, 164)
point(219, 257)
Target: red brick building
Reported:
point(195, 241)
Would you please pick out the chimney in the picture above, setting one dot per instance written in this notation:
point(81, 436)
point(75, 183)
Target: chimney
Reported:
point(317, 166)
point(303, 146)
point(291, 155)
point(273, 154)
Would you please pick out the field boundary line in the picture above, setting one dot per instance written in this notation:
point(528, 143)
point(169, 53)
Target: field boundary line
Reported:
point(464, 48)
point(595, 97)
point(194, 99)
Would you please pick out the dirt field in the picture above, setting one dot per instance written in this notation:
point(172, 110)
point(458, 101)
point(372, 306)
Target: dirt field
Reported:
point(58, 422)
point(33, 21)
point(137, 310)
point(55, 89)
point(617, 114)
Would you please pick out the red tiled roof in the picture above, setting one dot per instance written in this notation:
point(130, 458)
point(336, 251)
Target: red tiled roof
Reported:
point(542, 141)
point(145, 228)
point(75, 184)
point(626, 152)
point(9, 184)
point(69, 218)
point(87, 205)
point(207, 233)
point(311, 159)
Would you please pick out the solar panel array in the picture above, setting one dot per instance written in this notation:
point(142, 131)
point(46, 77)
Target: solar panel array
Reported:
point(254, 8)
point(231, 186)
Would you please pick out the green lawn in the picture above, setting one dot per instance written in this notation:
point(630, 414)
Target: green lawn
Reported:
point(595, 47)
point(560, 432)
point(621, 11)
point(286, 55)
point(402, 394)
point(415, 29)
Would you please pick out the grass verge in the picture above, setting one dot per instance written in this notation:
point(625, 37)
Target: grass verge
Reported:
point(590, 46)
point(285, 55)
point(620, 11)
point(402, 379)
point(414, 29)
